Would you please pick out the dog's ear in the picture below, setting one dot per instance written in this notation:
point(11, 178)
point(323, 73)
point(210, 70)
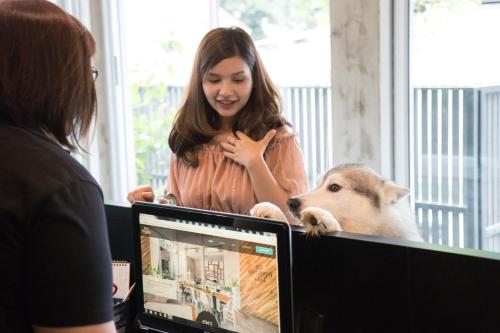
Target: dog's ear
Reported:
point(393, 193)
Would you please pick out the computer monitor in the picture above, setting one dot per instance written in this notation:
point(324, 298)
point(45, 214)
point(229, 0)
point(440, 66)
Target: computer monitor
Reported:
point(205, 271)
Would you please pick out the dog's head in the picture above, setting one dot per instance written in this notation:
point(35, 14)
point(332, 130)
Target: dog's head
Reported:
point(350, 192)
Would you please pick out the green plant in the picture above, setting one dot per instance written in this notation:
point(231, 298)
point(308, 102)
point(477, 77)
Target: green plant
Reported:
point(152, 122)
point(154, 108)
point(235, 283)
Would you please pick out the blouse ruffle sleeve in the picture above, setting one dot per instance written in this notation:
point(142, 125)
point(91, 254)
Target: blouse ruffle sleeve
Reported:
point(286, 162)
point(172, 183)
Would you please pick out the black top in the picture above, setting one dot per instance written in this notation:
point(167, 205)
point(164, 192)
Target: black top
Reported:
point(55, 263)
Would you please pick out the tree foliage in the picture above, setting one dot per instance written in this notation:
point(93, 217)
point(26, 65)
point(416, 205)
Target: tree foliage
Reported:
point(422, 6)
point(289, 14)
point(153, 116)
point(153, 113)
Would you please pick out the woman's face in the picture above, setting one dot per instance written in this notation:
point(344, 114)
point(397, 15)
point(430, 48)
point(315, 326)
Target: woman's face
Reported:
point(227, 87)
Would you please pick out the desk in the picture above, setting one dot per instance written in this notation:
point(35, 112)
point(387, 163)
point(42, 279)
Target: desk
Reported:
point(402, 272)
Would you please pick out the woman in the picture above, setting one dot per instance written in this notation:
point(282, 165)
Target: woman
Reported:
point(232, 146)
point(55, 263)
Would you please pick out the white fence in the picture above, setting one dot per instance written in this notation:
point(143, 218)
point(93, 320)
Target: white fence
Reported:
point(489, 163)
point(456, 141)
point(444, 166)
point(457, 166)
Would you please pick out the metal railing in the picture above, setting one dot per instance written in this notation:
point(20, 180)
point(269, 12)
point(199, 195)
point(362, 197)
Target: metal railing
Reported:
point(444, 164)
point(309, 110)
point(456, 141)
point(489, 164)
point(457, 166)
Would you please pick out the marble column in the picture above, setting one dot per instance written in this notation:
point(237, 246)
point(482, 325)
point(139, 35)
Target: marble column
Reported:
point(359, 84)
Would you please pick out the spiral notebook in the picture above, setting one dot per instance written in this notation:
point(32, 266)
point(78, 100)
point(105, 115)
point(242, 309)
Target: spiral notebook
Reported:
point(121, 278)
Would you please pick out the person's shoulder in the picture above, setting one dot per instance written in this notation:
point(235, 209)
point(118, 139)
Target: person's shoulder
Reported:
point(284, 135)
point(35, 169)
point(29, 152)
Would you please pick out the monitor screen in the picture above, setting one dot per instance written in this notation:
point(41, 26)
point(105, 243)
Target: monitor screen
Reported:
point(209, 274)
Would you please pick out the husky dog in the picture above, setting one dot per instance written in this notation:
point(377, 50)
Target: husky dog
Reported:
point(353, 198)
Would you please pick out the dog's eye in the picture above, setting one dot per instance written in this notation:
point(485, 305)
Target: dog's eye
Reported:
point(335, 187)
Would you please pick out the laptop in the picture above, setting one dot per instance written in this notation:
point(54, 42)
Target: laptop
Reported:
point(206, 271)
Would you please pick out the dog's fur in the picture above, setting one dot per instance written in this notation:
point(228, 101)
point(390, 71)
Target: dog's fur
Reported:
point(353, 198)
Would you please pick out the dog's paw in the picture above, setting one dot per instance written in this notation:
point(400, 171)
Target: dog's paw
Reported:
point(318, 221)
point(268, 210)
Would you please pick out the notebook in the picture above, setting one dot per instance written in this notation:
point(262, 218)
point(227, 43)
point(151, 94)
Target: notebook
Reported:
point(204, 271)
point(121, 279)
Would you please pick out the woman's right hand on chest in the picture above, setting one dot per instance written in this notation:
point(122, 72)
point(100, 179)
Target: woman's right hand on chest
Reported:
point(142, 193)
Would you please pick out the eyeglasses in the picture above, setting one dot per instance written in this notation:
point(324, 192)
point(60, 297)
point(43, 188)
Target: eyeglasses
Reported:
point(95, 72)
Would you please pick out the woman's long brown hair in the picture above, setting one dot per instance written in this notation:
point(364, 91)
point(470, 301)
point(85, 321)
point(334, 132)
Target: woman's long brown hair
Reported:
point(46, 80)
point(197, 122)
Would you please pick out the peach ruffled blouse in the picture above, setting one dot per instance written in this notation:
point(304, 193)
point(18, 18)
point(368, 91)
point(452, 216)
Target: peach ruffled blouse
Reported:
point(219, 183)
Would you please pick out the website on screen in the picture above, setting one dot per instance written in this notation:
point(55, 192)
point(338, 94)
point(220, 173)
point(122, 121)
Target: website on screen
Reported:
point(217, 276)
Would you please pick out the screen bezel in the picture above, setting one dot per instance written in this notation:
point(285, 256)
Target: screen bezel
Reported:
point(281, 229)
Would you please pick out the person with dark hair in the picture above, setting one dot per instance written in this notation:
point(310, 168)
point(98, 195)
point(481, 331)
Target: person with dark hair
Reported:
point(55, 262)
point(232, 146)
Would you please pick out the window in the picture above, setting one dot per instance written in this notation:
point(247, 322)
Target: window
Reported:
point(293, 39)
point(455, 93)
point(445, 65)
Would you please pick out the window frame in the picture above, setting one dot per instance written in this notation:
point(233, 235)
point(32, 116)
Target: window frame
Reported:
point(111, 156)
point(402, 97)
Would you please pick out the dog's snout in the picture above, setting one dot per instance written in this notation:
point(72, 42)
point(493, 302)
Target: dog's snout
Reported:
point(293, 204)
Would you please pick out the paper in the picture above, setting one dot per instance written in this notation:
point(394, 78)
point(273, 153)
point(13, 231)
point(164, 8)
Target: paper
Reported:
point(121, 278)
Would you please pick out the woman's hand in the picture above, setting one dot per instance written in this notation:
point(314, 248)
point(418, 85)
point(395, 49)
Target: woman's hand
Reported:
point(246, 151)
point(142, 193)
